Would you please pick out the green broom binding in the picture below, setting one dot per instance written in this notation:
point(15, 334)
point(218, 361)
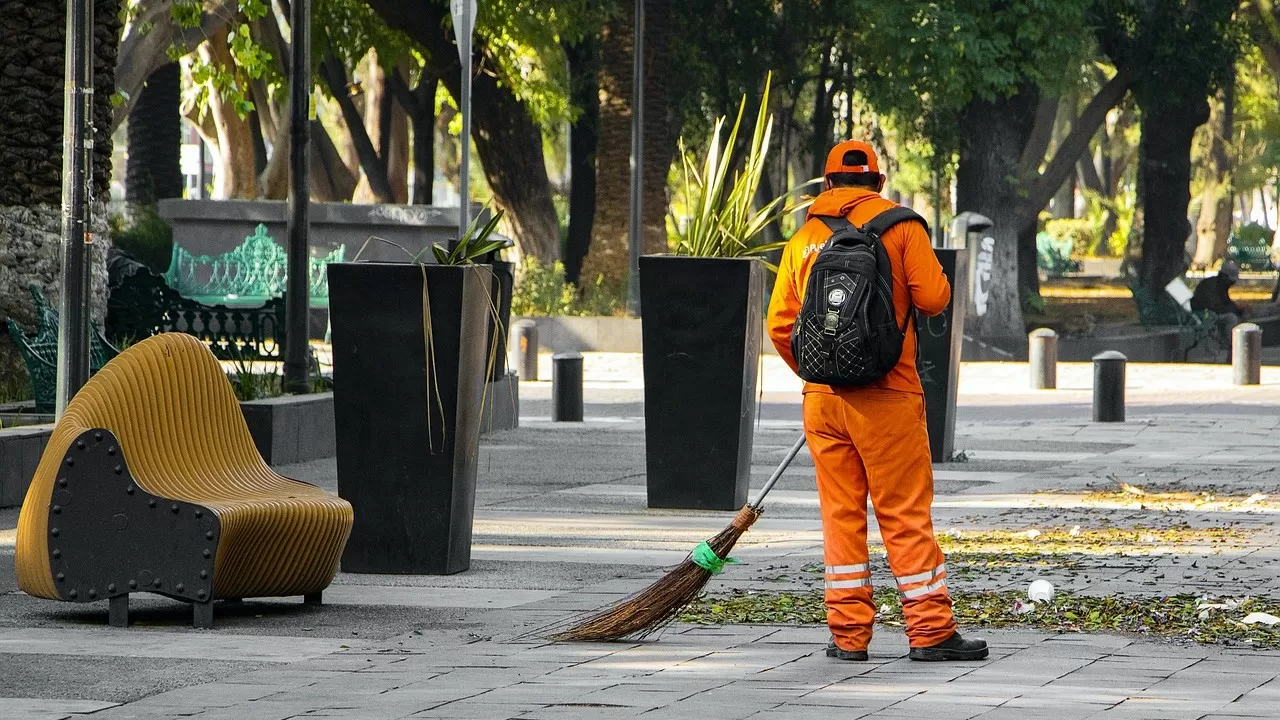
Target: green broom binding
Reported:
point(651, 609)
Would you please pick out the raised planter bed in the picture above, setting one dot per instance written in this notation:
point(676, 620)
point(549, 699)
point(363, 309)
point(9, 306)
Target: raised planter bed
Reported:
point(214, 227)
point(20, 451)
point(292, 429)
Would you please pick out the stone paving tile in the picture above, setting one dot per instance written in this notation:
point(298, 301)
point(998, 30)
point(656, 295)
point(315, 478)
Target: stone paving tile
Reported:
point(467, 710)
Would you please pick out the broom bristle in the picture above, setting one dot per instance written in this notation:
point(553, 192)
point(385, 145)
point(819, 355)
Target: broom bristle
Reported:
point(653, 608)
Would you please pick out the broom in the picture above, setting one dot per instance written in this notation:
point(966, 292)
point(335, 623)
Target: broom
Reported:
point(650, 609)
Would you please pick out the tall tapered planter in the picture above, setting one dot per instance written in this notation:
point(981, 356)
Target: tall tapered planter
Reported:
point(409, 347)
point(702, 326)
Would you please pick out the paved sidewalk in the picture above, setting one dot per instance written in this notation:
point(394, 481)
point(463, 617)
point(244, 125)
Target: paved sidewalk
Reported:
point(1188, 490)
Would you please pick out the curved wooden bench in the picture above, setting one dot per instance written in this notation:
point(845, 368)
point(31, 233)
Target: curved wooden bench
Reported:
point(151, 483)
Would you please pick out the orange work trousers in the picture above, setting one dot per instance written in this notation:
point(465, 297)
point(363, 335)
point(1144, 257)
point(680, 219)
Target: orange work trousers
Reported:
point(875, 442)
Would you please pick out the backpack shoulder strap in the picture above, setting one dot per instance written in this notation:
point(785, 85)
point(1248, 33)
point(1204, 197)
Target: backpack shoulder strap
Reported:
point(835, 224)
point(881, 223)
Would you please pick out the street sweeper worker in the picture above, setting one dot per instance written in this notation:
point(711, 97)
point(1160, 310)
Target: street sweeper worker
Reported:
point(840, 316)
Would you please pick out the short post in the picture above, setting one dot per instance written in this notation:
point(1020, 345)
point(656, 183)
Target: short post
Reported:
point(566, 387)
point(1043, 353)
point(1108, 386)
point(523, 349)
point(1246, 354)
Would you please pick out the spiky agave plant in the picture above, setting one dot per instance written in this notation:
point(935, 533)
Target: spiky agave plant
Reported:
point(723, 219)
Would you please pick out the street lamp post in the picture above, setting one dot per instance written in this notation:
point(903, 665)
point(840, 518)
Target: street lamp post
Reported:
point(464, 22)
point(636, 236)
point(298, 287)
point(77, 194)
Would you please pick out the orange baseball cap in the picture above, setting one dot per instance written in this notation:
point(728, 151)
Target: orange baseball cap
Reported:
point(836, 159)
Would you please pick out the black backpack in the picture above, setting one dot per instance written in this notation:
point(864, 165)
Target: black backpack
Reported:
point(847, 332)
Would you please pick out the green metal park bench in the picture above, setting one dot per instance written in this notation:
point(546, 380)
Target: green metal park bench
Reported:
point(252, 274)
point(1198, 329)
point(144, 305)
point(1053, 256)
point(39, 352)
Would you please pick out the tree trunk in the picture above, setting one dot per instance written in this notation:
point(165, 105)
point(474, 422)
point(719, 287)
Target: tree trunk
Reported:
point(609, 257)
point(992, 138)
point(424, 140)
point(31, 100)
point(388, 131)
point(155, 140)
point(1164, 154)
point(1063, 204)
point(374, 166)
point(1213, 231)
point(584, 139)
point(820, 142)
point(232, 137)
point(506, 137)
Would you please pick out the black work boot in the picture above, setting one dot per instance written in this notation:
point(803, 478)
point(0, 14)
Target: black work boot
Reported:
point(953, 648)
point(839, 653)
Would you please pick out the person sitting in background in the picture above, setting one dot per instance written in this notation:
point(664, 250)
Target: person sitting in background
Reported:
point(1214, 294)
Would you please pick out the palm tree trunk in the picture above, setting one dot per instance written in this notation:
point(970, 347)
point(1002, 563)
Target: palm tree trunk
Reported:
point(609, 256)
point(155, 140)
point(31, 42)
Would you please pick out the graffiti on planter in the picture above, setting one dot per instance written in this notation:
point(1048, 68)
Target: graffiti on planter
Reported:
point(982, 275)
point(403, 215)
point(925, 369)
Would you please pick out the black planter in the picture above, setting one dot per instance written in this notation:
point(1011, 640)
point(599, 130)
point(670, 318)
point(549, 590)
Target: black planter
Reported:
point(703, 322)
point(503, 285)
point(938, 362)
point(407, 434)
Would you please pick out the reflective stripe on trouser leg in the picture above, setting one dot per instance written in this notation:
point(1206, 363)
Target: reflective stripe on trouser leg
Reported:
point(925, 583)
point(889, 430)
point(842, 492)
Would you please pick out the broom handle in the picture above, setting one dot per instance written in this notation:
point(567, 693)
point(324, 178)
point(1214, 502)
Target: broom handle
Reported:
point(773, 479)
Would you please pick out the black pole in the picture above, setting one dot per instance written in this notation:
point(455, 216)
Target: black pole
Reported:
point(298, 292)
point(77, 186)
point(637, 163)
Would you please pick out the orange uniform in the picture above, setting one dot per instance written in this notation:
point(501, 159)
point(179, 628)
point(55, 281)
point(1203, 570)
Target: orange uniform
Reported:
point(872, 440)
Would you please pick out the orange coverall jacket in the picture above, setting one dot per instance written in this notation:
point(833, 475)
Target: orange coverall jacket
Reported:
point(918, 279)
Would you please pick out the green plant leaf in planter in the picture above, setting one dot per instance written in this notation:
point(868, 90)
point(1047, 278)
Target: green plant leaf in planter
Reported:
point(723, 219)
point(474, 243)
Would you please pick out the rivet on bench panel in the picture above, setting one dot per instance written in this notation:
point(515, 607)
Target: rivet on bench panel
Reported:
point(180, 587)
point(119, 469)
point(97, 437)
point(92, 593)
point(61, 577)
point(62, 482)
point(111, 450)
point(80, 445)
point(199, 513)
point(207, 554)
point(201, 594)
point(70, 462)
point(151, 503)
point(54, 532)
point(157, 582)
point(133, 584)
point(204, 574)
point(129, 490)
point(111, 588)
point(57, 509)
point(73, 594)
point(174, 508)
point(57, 553)
point(208, 535)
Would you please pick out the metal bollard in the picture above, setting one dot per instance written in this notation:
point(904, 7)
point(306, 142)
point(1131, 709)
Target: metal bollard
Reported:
point(523, 349)
point(566, 387)
point(1108, 386)
point(1043, 354)
point(1246, 354)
